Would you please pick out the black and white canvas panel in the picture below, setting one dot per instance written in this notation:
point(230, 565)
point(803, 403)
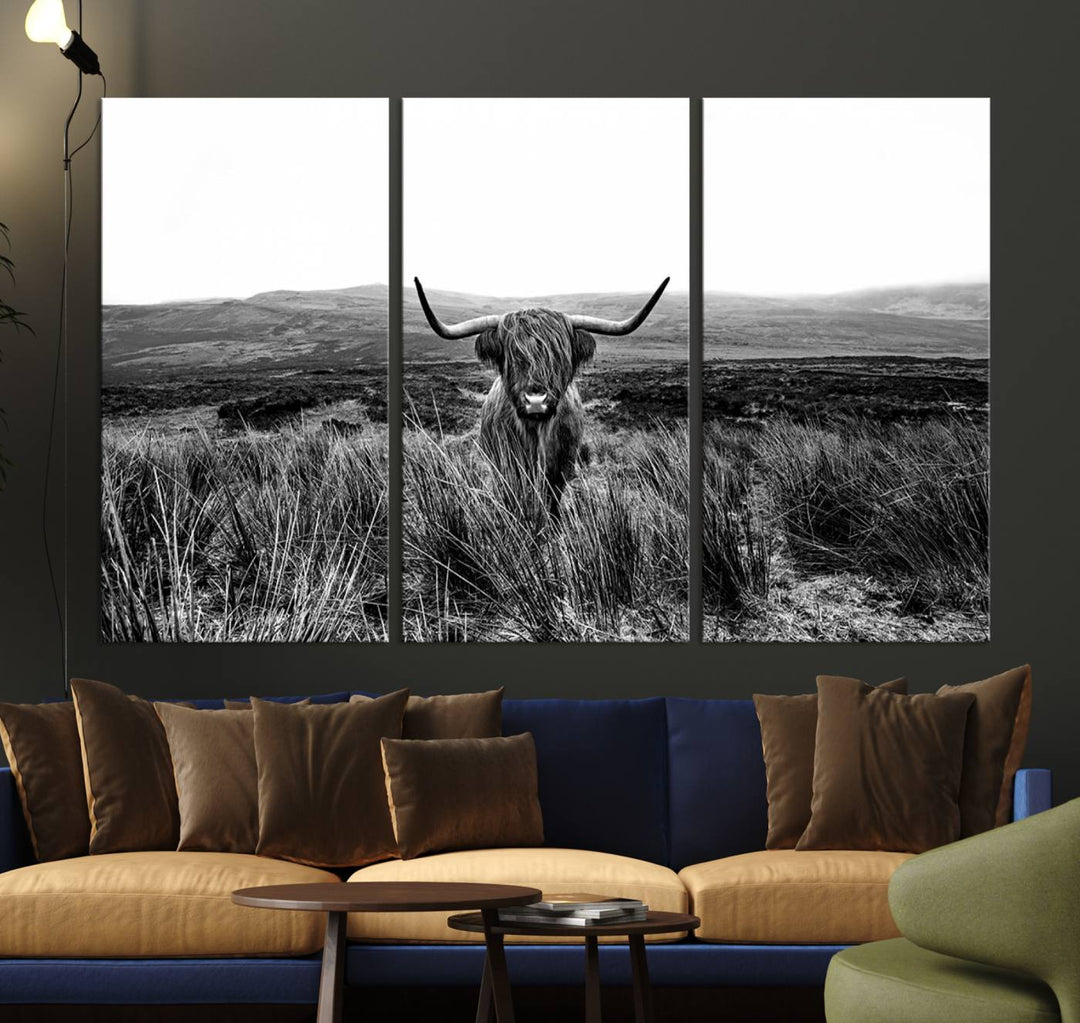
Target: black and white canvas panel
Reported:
point(244, 349)
point(846, 362)
point(545, 369)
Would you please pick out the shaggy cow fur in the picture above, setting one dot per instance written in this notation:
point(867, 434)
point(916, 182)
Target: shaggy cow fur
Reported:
point(535, 352)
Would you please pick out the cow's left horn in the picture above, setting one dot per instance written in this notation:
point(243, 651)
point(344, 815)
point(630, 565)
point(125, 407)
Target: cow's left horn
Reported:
point(467, 328)
point(596, 325)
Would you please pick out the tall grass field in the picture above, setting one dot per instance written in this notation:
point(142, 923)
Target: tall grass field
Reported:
point(246, 537)
point(482, 564)
point(849, 530)
point(846, 458)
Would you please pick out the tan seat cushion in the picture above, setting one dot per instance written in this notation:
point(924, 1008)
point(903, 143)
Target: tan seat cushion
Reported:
point(152, 904)
point(550, 870)
point(789, 897)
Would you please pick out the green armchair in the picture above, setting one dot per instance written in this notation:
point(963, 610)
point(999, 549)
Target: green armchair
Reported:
point(991, 931)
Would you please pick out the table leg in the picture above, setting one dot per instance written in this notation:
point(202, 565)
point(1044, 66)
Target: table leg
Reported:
point(331, 982)
point(485, 1006)
point(496, 960)
point(643, 1010)
point(592, 980)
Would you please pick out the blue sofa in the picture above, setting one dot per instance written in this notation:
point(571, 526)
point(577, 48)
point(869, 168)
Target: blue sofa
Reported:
point(669, 781)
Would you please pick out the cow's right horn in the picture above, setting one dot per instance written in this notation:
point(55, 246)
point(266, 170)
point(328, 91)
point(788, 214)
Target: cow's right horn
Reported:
point(452, 332)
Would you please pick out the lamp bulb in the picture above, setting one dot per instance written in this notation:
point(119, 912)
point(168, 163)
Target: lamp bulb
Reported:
point(45, 23)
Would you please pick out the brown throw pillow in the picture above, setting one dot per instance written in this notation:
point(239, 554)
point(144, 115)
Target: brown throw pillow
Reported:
point(42, 746)
point(217, 781)
point(788, 726)
point(994, 746)
point(463, 793)
point(322, 796)
point(457, 716)
point(886, 768)
point(127, 770)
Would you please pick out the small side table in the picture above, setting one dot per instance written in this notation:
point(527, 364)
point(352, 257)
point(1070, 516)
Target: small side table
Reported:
point(496, 979)
point(339, 900)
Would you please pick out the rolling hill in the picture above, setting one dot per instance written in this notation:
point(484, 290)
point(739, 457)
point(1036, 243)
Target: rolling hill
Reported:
point(929, 301)
point(931, 321)
point(274, 329)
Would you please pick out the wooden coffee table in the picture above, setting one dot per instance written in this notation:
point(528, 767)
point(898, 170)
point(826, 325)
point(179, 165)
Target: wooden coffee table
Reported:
point(496, 979)
point(338, 900)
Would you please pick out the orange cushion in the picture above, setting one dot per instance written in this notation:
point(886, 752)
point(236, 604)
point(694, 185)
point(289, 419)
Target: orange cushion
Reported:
point(784, 896)
point(550, 870)
point(153, 904)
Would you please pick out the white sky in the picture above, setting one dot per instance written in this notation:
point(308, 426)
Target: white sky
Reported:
point(210, 198)
point(826, 195)
point(538, 196)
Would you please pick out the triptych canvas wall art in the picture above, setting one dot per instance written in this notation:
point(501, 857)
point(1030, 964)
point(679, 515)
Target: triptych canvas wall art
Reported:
point(545, 444)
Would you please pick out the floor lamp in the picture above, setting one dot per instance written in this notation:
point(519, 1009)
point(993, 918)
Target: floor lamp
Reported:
point(47, 23)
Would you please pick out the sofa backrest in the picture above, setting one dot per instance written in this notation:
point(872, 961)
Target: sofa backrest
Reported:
point(673, 781)
point(716, 780)
point(603, 775)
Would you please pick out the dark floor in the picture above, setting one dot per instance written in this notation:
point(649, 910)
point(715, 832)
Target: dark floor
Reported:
point(457, 1005)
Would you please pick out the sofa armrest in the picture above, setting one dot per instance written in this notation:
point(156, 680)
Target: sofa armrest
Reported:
point(15, 847)
point(1008, 898)
point(1032, 792)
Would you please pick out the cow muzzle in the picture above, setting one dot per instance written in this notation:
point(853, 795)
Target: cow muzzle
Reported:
point(539, 405)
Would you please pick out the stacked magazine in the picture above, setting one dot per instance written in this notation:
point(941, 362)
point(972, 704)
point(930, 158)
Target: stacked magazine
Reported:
point(575, 909)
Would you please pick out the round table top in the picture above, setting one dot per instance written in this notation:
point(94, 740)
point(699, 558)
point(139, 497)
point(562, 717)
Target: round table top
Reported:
point(385, 896)
point(655, 922)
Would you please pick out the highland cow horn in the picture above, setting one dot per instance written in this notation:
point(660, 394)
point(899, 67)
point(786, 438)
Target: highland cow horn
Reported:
point(596, 325)
point(467, 328)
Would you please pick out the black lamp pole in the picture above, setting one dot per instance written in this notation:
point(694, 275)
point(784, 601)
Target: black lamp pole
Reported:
point(45, 22)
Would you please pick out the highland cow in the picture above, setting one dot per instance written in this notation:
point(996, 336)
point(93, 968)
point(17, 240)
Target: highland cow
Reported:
point(532, 421)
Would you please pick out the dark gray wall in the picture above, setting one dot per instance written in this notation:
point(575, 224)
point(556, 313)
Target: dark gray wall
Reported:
point(1015, 53)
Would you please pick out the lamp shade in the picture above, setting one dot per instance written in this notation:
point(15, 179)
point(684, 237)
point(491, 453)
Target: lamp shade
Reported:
point(46, 23)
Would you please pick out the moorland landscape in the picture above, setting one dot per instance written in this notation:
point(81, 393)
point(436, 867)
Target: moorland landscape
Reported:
point(846, 466)
point(244, 469)
point(244, 474)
